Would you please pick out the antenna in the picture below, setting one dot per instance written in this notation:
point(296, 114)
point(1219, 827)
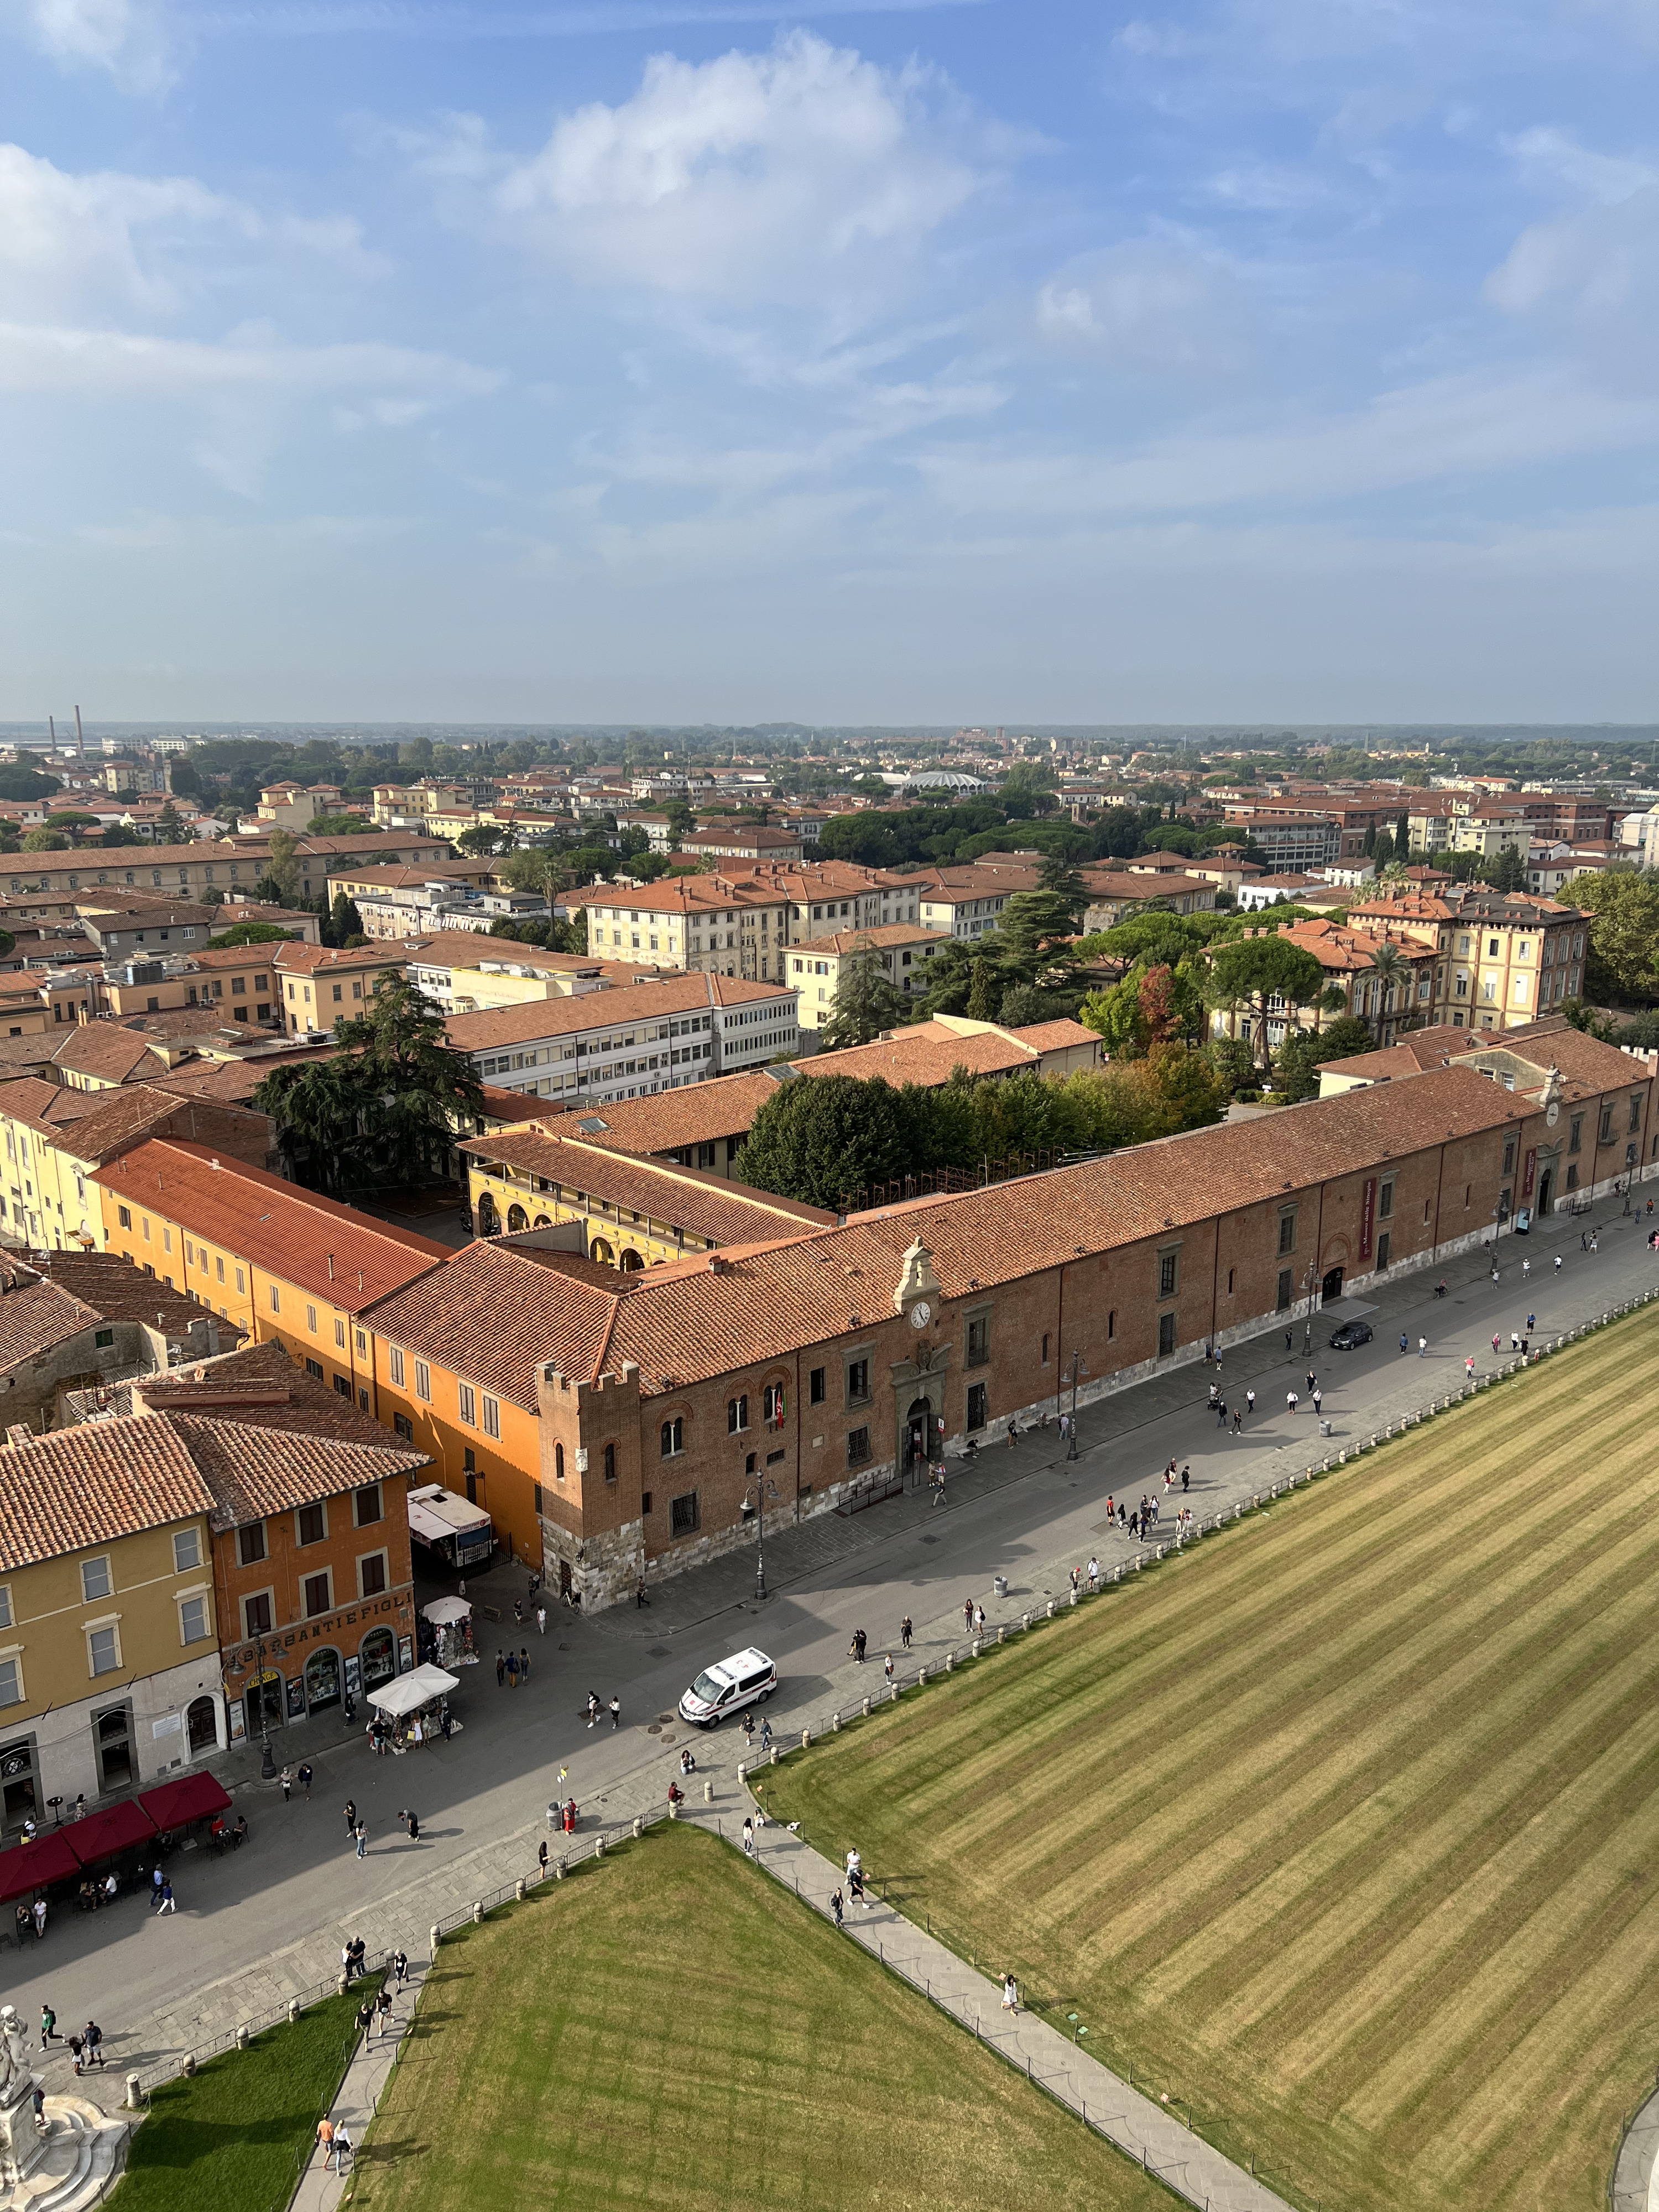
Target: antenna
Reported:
point(52, 727)
point(79, 739)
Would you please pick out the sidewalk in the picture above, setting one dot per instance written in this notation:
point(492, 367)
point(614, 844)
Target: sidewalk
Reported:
point(321, 2188)
point(1148, 2132)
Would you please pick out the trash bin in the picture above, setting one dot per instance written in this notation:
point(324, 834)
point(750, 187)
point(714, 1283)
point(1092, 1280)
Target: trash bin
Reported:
point(999, 1585)
point(1324, 1428)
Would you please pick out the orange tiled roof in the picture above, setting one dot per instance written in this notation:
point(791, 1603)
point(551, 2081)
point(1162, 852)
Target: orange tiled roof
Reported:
point(676, 1119)
point(708, 1205)
point(602, 1010)
point(342, 1256)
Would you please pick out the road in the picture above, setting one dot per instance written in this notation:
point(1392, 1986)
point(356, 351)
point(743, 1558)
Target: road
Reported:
point(268, 1920)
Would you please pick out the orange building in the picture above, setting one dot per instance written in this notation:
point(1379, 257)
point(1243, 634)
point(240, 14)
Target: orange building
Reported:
point(285, 1265)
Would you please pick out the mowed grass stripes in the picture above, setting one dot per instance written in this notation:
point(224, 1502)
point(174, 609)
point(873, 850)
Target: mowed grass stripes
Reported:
point(1344, 1825)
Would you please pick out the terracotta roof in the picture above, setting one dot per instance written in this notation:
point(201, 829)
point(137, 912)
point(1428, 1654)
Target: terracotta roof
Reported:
point(501, 1311)
point(1106, 883)
point(1055, 1036)
point(603, 1010)
point(87, 1486)
point(925, 1055)
point(684, 895)
point(78, 1291)
point(290, 1233)
point(698, 1115)
point(116, 1119)
point(43, 1106)
point(226, 956)
point(106, 1050)
point(260, 1383)
point(881, 934)
point(310, 959)
point(708, 1205)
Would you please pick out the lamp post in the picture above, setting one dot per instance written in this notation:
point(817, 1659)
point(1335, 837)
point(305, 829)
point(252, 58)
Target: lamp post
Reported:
point(1310, 1284)
point(1077, 1368)
point(267, 1757)
point(763, 1489)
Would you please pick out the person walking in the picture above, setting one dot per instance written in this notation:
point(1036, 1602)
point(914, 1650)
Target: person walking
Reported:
point(286, 1778)
point(305, 1779)
point(366, 2017)
point(524, 1662)
point(1515, 1340)
point(1496, 1341)
point(362, 1839)
point(1010, 1994)
point(1469, 1367)
point(350, 1817)
point(95, 2036)
point(342, 2145)
point(967, 1616)
point(1291, 1401)
point(1312, 1379)
point(766, 1734)
point(1238, 1422)
point(500, 1670)
point(837, 1907)
point(1221, 1413)
point(1249, 1402)
point(512, 1670)
point(1422, 1347)
point(979, 1619)
point(887, 1665)
point(541, 1619)
point(48, 2027)
point(1318, 1401)
point(748, 1837)
point(1526, 1271)
point(616, 1712)
point(1558, 1263)
point(167, 1904)
point(1094, 1574)
point(541, 1859)
point(155, 1881)
point(400, 1960)
point(383, 2007)
point(325, 2137)
point(1403, 1345)
point(40, 1909)
point(907, 1630)
point(412, 1822)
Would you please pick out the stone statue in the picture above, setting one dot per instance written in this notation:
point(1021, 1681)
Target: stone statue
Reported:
point(15, 2072)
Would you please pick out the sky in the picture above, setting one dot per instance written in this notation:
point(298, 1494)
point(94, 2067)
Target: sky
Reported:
point(675, 360)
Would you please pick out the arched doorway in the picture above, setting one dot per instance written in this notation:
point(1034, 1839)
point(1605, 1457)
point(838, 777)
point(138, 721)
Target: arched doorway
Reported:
point(630, 1263)
point(542, 1222)
point(201, 1724)
point(488, 1219)
point(272, 1716)
point(1330, 1288)
point(517, 1219)
point(918, 1434)
point(379, 1651)
point(599, 1251)
point(322, 1679)
point(1545, 1189)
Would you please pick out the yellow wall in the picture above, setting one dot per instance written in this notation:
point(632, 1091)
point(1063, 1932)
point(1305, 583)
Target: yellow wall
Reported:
point(506, 1469)
point(626, 1241)
point(50, 1616)
point(48, 1197)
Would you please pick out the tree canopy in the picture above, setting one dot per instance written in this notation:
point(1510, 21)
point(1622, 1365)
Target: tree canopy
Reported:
point(1623, 906)
point(866, 1003)
point(1252, 970)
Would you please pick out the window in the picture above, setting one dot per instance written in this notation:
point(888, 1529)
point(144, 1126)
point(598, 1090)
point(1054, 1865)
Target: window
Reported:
point(1573, 1178)
point(1287, 1231)
point(1385, 1200)
point(684, 1517)
point(371, 1574)
point(123, 1215)
point(1604, 1128)
point(423, 1380)
point(112, 1739)
point(250, 1543)
point(774, 1405)
point(1283, 1289)
point(186, 1553)
point(369, 1506)
point(276, 1300)
point(403, 1427)
point(11, 1682)
point(858, 1447)
point(5, 1606)
point(611, 1462)
point(312, 1524)
point(816, 1390)
point(1168, 1266)
point(311, 1319)
point(95, 1578)
point(858, 1382)
point(1384, 1250)
point(103, 1339)
point(1575, 1133)
point(977, 1399)
point(339, 1333)
point(192, 1620)
point(673, 1438)
point(395, 1363)
point(1166, 1334)
point(469, 1404)
point(103, 1650)
point(1635, 1113)
point(315, 1369)
point(979, 1340)
point(1045, 1341)
point(314, 1593)
point(737, 1414)
point(645, 1501)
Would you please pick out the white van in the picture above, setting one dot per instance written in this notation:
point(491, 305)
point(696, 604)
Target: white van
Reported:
point(745, 1679)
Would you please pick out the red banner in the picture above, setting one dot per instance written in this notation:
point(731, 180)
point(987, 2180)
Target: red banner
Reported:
point(1367, 1217)
point(1531, 1169)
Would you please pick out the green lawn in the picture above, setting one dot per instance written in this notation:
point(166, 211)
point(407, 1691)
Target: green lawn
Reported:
point(671, 2027)
point(1344, 1825)
point(235, 2137)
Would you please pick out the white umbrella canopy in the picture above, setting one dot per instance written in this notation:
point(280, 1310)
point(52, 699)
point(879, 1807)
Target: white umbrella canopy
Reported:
point(444, 1610)
point(412, 1691)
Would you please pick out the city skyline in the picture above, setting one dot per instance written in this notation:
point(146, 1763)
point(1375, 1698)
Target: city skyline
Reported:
point(646, 364)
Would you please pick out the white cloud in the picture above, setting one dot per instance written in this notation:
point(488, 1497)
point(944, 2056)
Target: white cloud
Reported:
point(1601, 265)
point(133, 40)
point(1150, 304)
point(1550, 156)
point(781, 175)
point(39, 358)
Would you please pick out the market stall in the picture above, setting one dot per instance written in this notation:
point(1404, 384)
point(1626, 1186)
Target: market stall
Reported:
point(450, 1618)
point(412, 1710)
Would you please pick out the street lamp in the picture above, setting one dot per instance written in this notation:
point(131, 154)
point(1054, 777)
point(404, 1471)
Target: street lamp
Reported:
point(1077, 1368)
point(267, 1757)
point(763, 1489)
point(1310, 1284)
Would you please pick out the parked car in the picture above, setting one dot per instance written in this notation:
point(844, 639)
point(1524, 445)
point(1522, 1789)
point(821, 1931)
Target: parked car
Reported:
point(746, 1678)
point(1351, 1336)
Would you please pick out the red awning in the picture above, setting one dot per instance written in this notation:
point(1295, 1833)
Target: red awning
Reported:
point(191, 1797)
point(35, 1866)
point(115, 1828)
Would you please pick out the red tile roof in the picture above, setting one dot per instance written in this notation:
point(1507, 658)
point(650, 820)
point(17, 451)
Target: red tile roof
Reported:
point(708, 1206)
point(603, 1010)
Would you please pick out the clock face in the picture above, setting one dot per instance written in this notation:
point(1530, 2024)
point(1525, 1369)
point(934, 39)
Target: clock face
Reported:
point(921, 1315)
point(1553, 1115)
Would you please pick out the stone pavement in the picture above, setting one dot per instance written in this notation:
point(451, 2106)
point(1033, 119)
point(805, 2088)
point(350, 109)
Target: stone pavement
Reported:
point(1148, 2131)
point(290, 1899)
point(321, 2187)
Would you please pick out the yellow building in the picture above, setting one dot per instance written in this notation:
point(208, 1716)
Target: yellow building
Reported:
point(109, 1647)
point(901, 951)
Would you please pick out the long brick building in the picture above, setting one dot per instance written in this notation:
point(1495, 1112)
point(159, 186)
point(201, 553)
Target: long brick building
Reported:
point(618, 1426)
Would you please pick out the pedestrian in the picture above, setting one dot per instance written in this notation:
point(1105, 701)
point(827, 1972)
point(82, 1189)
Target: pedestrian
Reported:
point(1289, 1334)
point(1496, 1341)
point(383, 2006)
point(325, 2137)
point(361, 1840)
point(39, 1919)
point(862, 1641)
point(907, 1630)
point(1402, 1340)
point(1215, 1392)
point(167, 1904)
point(1558, 1263)
point(342, 2145)
point(979, 1619)
point(1238, 1422)
point(286, 1778)
point(594, 1708)
point(1318, 1401)
point(1013, 1432)
point(1532, 1324)
point(512, 1670)
point(887, 1665)
point(75, 2047)
point(1010, 1994)
point(1422, 1347)
point(500, 1670)
point(1077, 1573)
point(747, 1724)
point(95, 2045)
point(1494, 1271)
point(1312, 1379)
point(518, 1613)
point(524, 1662)
point(305, 1779)
point(1469, 1367)
point(1094, 1574)
point(837, 1907)
point(350, 1817)
point(412, 1822)
point(1291, 1401)
point(1515, 1340)
point(1065, 1426)
point(541, 1620)
point(967, 1616)
point(766, 1734)
point(616, 1712)
point(365, 2014)
point(1221, 1413)
point(748, 1837)
point(1249, 1402)
point(155, 1881)
point(1595, 1240)
point(48, 2027)
point(1526, 1270)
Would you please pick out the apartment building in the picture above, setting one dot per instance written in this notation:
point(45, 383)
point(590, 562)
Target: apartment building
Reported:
point(286, 1265)
point(966, 900)
point(900, 950)
point(739, 921)
point(322, 984)
point(1389, 1002)
point(466, 973)
point(77, 1322)
point(229, 866)
point(1294, 840)
point(609, 1045)
point(739, 841)
point(235, 980)
point(1113, 895)
point(1504, 960)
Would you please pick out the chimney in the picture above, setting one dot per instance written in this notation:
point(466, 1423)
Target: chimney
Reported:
point(331, 1266)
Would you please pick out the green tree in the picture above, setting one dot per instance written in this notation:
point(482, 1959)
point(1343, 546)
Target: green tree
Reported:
point(170, 828)
point(17, 782)
point(866, 839)
point(1234, 1064)
point(45, 841)
point(344, 921)
point(339, 826)
point(72, 823)
point(485, 840)
point(1402, 835)
point(1506, 871)
point(985, 991)
point(1061, 879)
point(255, 933)
point(822, 1138)
point(1296, 1067)
point(1392, 971)
point(866, 1003)
point(1252, 970)
point(1623, 933)
point(1381, 850)
point(283, 868)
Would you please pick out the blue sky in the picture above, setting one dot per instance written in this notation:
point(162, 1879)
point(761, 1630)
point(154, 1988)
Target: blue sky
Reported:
point(1249, 359)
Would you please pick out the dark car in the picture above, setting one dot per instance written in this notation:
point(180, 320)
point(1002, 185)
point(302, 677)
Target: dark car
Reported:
point(1351, 1336)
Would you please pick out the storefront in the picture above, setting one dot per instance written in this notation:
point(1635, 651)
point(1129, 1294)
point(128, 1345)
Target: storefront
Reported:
point(313, 1668)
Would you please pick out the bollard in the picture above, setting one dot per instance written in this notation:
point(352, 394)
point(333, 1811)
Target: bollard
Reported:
point(673, 1809)
point(772, 1762)
point(865, 1708)
point(559, 1867)
point(921, 1678)
point(478, 1913)
point(293, 2009)
point(518, 1889)
point(342, 1986)
point(707, 1793)
point(1073, 1597)
point(999, 1632)
point(807, 1739)
point(242, 2037)
point(892, 1699)
point(1049, 1614)
point(743, 1773)
point(434, 1936)
point(598, 1847)
point(974, 1647)
point(949, 1662)
point(189, 2066)
point(134, 2093)
point(835, 1723)
point(639, 1825)
point(1025, 1621)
